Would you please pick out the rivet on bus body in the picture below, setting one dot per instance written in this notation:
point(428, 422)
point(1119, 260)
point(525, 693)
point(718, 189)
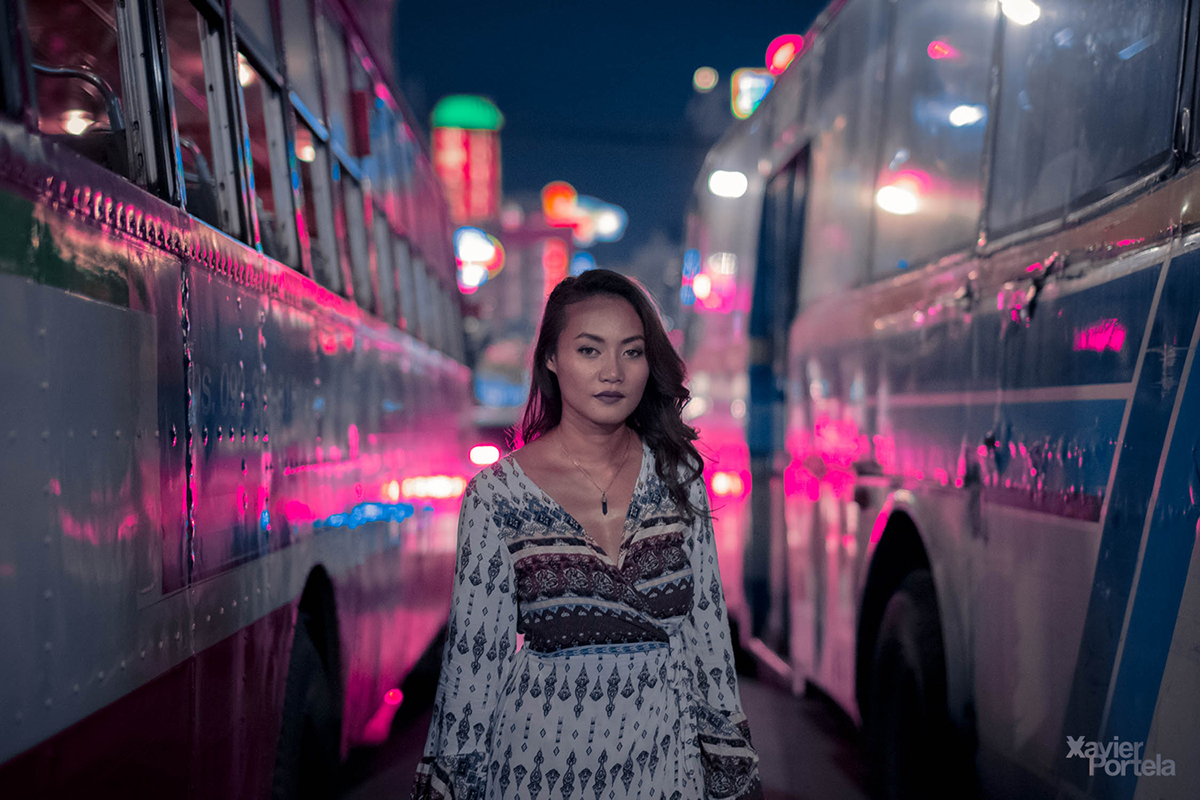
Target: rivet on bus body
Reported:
point(122, 664)
point(208, 617)
point(45, 385)
point(49, 702)
point(75, 688)
point(48, 594)
point(100, 675)
point(19, 718)
point(45, 435)
point(95, 433)
point(48, 646)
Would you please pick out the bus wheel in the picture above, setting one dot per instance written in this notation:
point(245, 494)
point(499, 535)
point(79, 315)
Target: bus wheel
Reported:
point(907, 729)
point(307, 757)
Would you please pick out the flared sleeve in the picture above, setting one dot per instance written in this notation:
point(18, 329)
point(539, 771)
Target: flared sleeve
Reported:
point(479, 654)
point(728, 758)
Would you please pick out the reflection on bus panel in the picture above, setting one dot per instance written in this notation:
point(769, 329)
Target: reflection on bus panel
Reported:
point(945, 337)
point(229, 531)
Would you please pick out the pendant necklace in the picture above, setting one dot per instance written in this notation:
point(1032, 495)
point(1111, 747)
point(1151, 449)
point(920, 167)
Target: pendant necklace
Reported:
point(603, 492)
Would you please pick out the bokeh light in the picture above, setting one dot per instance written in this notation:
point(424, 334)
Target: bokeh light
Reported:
point(704, 80)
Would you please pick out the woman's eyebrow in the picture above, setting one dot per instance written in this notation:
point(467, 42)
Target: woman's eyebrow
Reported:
point(600, 339)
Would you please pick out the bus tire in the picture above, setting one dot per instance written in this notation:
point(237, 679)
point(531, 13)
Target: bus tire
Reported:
point(908, 735)
point(308, 754)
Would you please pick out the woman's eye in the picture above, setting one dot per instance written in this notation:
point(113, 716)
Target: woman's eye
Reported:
point(587, 350)
point(633, 353)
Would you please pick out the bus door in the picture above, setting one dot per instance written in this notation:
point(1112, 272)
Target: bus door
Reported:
point(774, 303)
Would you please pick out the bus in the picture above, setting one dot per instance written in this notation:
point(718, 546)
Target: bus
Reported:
point(232, 390)
point(941, 294)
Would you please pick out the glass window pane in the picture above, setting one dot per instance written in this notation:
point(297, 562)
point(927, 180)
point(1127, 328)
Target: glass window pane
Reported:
point(1087, 105)
point(356, 232)
point(422, 316)
point(929, 191)
point(337, 80)
point(383, 263)
point(406, 284)
point(74, 110)
point(268, 165)
point(846, 118)
point(312, 159)
point(257, 16)
point(186, 34)
point(301, 53)
point(381, 164)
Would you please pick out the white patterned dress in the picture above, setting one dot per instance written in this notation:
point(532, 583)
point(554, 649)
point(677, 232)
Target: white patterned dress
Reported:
point(625, 686)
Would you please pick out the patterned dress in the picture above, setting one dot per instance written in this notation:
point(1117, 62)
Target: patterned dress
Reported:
point(624, 686)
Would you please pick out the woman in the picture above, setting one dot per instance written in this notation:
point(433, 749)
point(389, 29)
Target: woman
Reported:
point(593, 541)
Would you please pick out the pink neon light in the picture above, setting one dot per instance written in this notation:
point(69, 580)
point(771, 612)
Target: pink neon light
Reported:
point(1105, 334)
point(938, 50)
point(393, 697)
point(298, 511)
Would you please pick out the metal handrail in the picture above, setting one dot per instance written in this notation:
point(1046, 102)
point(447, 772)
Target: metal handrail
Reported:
point(116, 118)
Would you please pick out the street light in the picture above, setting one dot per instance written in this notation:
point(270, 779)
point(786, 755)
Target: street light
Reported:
point(727, 183)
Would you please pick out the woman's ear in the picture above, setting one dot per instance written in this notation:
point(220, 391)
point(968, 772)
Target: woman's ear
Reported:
point(550, 364)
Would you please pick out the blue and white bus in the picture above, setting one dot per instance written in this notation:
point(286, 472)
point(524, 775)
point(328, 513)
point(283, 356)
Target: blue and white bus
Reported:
point(944, 288)
point(232, 393)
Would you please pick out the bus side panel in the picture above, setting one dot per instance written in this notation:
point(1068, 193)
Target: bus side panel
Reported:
point(239, 689)
point(82, 553)
point(230, 453)
point(1167, 609)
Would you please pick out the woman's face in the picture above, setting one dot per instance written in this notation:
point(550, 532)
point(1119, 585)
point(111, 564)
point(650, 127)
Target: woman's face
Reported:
point(600, 361)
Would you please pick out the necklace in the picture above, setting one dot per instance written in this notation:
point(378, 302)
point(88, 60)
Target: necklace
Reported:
point(603, 492)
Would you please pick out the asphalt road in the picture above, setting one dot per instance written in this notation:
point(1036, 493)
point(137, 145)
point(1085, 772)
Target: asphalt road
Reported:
point(808, 748)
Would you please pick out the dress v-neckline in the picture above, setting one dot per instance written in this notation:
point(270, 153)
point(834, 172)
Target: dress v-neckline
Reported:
point(620, 562)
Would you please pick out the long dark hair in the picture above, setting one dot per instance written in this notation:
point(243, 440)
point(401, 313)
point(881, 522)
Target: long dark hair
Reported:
point(657, 418)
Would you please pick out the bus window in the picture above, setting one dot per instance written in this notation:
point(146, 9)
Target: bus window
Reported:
point(337, 81)
point(1087, 105)
point(440, 307)
point(194, 54)
point(383, 263)
point(383, 159)
point(255, 16)
point(929, 191)
point(312, 159)
point(356, 230)
point(849, 96)
point(301, 54)
point(268, 164)
point(421, 322)
point(406, 284)
point(76, 63)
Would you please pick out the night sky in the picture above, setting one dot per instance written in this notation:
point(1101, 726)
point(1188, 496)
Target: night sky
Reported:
point(595, 94)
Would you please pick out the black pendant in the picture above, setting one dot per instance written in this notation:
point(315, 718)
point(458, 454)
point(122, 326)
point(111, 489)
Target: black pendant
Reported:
point(604, 504)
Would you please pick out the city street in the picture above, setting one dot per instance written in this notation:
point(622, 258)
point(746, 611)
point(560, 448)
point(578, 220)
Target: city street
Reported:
point(809, 749)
